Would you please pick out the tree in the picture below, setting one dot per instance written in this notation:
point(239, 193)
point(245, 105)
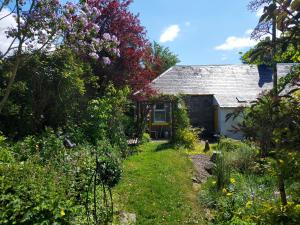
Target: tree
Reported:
point(275, 123)
point(138, 63)
point(48, 91)
point(42, 25)
point(261, 54)
point(278, 15)
point(163, 58)
point(284, 16)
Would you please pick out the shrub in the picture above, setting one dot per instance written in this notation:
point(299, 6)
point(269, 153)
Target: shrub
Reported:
point(187, 138)
point(6, 155)
point(105, 119)
point(46, 147)
point(108, 165)
point(146, 138)
point(184, 135)
point(240, 156)
point(31, 194)
point(221, 171)
point(231, 145)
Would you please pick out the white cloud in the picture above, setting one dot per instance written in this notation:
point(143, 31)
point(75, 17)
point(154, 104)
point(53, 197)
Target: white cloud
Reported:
point(8, 21)
point(234, 42)
point(170, 34)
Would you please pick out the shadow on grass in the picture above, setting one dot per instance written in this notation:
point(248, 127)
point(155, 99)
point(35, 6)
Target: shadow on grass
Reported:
point(164, 146)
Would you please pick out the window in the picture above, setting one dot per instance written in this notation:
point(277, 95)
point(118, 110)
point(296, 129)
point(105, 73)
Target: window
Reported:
point(241, 99)
point(160, 113)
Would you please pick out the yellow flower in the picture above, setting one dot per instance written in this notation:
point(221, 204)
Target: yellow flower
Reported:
point(62, 212)
point(232, 180)
point(224, 190)
point(229, 194)
point(249, 204)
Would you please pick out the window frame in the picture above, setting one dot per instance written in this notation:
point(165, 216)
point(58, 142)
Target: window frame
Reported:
point(155, 120)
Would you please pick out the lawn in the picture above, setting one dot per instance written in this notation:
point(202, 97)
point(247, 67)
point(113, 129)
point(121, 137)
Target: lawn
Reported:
point(157, 187)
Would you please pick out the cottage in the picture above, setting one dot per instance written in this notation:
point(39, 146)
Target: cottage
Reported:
point(211, 92)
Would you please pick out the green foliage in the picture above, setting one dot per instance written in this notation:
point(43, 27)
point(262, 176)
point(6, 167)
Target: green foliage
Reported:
point(108, 166)
point(261, 54)
point(105, 118)
point(184, 135)
point(5, 155)
point(47, 147)
point(31, 194)
point(249, 194)
point(166, 59)
point(146, 138)
point(48, 92)
point(221, 171)
point(240, 156)
point(48, 183)
point(187, 138)
point(231, 145)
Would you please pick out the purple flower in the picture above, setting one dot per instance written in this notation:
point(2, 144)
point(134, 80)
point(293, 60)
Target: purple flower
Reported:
point(106, 36)
point(94, 55)
point(116, 51)
point(96, 27)
point(114, 38)
point(106, 60)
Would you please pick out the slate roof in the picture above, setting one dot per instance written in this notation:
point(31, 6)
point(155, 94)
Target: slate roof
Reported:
point(227, 83)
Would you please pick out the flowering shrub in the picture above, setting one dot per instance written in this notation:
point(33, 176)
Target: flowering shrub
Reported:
point(184, 135)
point(46, 24)
point(245, 196)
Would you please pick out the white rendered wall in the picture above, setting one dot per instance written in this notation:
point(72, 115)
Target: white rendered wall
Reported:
point(226, 126)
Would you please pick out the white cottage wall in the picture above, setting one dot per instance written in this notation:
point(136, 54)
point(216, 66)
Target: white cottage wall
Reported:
point(226, 126)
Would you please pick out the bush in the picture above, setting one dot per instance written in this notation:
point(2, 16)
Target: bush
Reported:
point(184, 135)
point(108, 165)
point(231, 145)
point(146, 138)
point(221, 171)
point(241, 201)
point(31, 194)
point(47, 147)
point(6, 156)
point(240, 156)
point(187, 138)
point(105, 119)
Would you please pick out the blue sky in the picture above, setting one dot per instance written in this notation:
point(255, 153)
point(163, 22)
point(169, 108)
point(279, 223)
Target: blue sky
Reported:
point(199, 31)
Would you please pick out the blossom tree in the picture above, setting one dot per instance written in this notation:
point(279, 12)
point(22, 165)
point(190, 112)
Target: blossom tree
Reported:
point(133, 67)
point(42, 25)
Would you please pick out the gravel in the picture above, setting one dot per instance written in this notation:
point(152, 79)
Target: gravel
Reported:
point(203, 166)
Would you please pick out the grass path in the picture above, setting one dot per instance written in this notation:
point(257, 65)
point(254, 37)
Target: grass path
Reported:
point(157, 187)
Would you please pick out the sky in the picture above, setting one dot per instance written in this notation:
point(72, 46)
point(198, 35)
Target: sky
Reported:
point(200, 32)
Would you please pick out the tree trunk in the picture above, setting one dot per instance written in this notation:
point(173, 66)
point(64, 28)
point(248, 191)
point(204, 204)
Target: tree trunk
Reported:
point(281, 187)
point(12, 78)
